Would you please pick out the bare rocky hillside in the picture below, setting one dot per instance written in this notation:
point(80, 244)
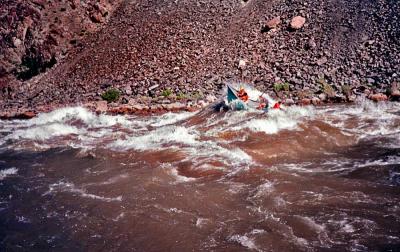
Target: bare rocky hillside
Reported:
point(333, 47)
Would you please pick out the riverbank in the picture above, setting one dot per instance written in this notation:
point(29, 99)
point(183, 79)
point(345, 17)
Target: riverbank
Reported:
point(163, 104)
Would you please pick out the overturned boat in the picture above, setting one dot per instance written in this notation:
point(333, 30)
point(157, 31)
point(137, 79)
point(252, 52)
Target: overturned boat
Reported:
point(255, 99)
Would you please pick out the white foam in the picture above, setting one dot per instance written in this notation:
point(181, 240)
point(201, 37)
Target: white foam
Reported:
point(277, 120)
point(23, 219)
point(170, 118)
point(200, 222)
point(311, 223)
point(258, 231)
point(119, 217)
point(245, 241)
point(8, 172)
point(265, 189)
point(390, 160)
point(70, 187)
point(44, 132)
point(366, 119)
point(157, 138)
point(172, 171)
point(65, 115)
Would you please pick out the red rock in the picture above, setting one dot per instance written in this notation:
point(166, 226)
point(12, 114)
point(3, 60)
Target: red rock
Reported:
point(305, 102)
point(28, 114)
point(101, 106)
point(191, 109)
point(297, 22)
point(273, 23)
point(378, 97)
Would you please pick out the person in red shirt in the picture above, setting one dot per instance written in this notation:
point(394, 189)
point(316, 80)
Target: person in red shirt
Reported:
point(277, 105)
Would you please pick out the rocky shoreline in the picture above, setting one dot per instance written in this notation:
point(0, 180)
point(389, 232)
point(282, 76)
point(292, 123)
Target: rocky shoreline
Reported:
point(147, 106)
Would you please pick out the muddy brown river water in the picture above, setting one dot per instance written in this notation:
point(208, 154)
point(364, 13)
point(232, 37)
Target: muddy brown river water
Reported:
point(304, 179)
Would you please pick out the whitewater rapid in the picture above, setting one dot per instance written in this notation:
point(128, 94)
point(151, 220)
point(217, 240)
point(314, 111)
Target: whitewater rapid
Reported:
point(299, 179)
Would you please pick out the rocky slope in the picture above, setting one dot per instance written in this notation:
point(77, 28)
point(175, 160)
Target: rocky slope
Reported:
point(335, 49)
point(36, 34)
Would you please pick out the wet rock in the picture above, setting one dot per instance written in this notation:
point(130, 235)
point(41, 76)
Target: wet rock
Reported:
point(28, 114)
point(101, 106)
point(177, 106)
point(378, 97)
point(305, 102)
point(297, 22)
point(352, 98)
point(289, 102)
point(211, 98)
point(322, 97)
point(394, 92)
point(138, 107)
point(315, 101)
point(202, 103)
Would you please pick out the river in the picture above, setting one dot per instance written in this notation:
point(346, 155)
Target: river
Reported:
point(305, 179)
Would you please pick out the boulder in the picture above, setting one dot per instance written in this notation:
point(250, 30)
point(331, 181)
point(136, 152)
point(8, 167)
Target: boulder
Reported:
point(153, 87)
point(242, 64)
point(101, 106)
point(305, 102)
point(177, 106)
point(311, 43)
point(211, 98)
point(315, 101)
point(378, 97)
point(132, 101)
point(322, 61)
point(128, 90)
point(273, 23)
point(202, 104)
point(28, 114)
point(297, 22)
point(137, 107)
point(322, 97)
point(395, 92)
point(289, 102)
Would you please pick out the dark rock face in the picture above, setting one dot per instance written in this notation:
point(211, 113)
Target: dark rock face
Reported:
point(193, 47)
point(34, 34)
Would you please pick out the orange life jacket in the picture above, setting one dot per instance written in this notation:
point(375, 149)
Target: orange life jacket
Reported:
point(243, 95)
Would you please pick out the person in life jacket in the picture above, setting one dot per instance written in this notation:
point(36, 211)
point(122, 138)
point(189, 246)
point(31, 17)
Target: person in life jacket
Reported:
point(243, 95)
point(278, 106)
point(263, 103)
